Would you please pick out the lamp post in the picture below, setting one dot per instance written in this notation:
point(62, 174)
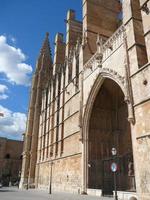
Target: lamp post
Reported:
point(114, 168)
point(27, 187)
point(114, 151)
point(50, 179)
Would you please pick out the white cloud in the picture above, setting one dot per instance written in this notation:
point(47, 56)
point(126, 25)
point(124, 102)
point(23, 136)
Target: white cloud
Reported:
point(12, 63)
point(3, 90)
point(13, 39)
point(3, 96)
point(12, 124)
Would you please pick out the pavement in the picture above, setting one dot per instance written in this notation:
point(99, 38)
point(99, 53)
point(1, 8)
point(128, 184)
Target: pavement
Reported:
point(13, 193)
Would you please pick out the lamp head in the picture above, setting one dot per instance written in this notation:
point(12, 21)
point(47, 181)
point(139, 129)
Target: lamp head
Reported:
point(114, 151)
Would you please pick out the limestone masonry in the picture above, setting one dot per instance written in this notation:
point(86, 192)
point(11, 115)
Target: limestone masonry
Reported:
point(10, 160)
point(93, 96)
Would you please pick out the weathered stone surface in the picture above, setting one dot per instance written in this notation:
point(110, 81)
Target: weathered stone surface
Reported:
point(10, 160)
point(103, 82)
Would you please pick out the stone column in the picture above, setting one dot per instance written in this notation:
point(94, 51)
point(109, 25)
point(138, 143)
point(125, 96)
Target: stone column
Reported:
point(135, 35)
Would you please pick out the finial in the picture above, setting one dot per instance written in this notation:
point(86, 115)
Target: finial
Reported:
point(99, 56)
point(45, 54)
point(47, 34)
point(99, 44)
point(84, 38)
point(46, 46)
point(78, 43)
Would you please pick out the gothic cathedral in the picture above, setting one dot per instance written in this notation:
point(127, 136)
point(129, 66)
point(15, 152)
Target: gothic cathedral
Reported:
point(94, 96)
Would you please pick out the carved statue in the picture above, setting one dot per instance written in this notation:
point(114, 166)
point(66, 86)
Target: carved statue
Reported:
point(130, 168)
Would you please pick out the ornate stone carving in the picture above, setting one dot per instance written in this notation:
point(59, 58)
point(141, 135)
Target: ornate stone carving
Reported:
point(145, 8)
point(70, 57)
point(78, 46)
point(84, 39)
point(101, 48)
point(99, 55)
point(115, 75)
point(109, 43)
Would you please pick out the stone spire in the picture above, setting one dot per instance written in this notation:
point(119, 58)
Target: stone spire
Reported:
point(44, 61)
point(45, 70)
point(40, 79)
point(46, 46)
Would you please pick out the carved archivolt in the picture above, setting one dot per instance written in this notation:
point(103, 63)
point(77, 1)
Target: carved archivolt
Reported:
point(123, 83)
point(120, 80)
point(112, 74)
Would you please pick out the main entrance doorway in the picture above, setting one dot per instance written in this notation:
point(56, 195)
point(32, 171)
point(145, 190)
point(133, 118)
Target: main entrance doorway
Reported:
point(109, 127)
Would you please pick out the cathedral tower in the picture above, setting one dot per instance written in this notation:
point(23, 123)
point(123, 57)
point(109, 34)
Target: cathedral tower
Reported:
point(43, 73)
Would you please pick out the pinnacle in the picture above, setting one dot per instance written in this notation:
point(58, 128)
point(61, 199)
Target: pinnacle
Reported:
point(47, 34)
point(46, 46)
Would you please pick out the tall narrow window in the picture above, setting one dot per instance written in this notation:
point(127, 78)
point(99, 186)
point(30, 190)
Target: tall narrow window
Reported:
point(45, 120)
point(63, 102)
point(69, 72)
point(77, 71)
point(70, 60)
point(58, 112)
point(52, 117)
point(48, 119)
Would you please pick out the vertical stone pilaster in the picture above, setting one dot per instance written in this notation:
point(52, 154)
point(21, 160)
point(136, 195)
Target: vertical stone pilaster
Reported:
point(138, 57)
point(34, 142)
point(42, 75)
point(28, 134)
point(135, 35)
point(73, 31)
point(145, 10)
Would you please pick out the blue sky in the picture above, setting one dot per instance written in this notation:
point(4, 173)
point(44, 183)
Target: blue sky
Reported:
point(23, 24)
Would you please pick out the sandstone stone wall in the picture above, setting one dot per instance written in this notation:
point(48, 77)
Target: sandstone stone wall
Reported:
point(145, 10)
point(97, 50)
point(65, 176)
point(10, 160)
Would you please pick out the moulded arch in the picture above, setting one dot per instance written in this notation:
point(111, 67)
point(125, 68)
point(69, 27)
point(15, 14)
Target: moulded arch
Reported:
point(94, 91)
point(103, 75)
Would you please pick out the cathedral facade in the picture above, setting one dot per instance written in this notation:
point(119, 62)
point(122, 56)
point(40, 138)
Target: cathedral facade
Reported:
point(92, 97)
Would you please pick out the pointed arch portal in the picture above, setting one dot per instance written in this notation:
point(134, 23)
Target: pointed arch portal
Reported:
point(108, 127)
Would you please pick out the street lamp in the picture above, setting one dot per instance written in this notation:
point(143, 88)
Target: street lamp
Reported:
point(114, 169)
point(114, 151)
point(50, 179)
